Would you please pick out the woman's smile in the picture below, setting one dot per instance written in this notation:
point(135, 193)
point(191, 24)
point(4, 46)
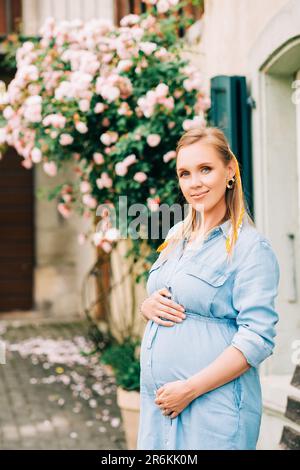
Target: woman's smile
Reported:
point(199, 195)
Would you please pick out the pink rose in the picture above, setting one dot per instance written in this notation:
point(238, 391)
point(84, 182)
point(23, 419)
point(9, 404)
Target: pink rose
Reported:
point(67, 197)
point(153, 203)
point(36, 155)
point(161, 90)
point(140, 177)
point(99, 108)
point(65, 139)
point(147, 47)
point(169, 156)
point(129, 160)
point(50, 168)
point(121, 169)
point(84, 105)
point(64, 210)
point(162, 6)
point(27, 163)
point(81, 127)
point(106, 246)
point(98, 158)
point(124, 65)
point(106, 138)
point(85, 187)
point(89, 201)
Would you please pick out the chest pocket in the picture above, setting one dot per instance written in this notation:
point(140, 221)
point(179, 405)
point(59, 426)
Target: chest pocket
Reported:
point(201, 285)
point(206, 273)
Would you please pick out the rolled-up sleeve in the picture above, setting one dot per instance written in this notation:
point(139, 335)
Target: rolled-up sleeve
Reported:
point(254, 292)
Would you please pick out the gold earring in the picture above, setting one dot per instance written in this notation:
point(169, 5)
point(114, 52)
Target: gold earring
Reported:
point(231, 181)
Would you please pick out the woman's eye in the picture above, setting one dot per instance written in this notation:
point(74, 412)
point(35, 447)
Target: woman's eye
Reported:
point(206, 167)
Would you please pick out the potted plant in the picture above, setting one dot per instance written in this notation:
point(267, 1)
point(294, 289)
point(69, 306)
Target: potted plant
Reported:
point(123, 358)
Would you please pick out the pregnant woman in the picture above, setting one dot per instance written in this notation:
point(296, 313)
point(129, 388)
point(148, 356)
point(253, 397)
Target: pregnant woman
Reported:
point(210, 311)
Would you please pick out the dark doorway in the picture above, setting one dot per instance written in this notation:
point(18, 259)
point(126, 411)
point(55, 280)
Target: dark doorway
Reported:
point(16, 234)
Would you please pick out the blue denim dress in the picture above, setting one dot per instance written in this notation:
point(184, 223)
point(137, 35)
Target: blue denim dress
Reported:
point(225, 304)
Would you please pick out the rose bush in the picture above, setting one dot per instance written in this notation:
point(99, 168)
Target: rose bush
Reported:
point(113, 101)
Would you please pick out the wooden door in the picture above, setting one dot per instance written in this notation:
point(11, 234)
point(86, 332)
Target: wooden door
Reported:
point(16, 234)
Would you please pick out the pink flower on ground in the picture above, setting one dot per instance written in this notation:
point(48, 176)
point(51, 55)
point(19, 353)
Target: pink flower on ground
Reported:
point(50, 168)
point(153, 140)
point(140, 177)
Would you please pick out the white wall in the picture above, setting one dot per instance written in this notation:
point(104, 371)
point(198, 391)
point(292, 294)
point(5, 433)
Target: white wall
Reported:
point(229, 31)
point(36, 11)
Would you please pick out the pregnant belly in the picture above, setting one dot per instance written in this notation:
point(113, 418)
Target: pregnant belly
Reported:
point(177, 352)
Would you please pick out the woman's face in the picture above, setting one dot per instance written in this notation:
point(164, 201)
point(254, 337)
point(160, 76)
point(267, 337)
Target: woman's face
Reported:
point(202, 176)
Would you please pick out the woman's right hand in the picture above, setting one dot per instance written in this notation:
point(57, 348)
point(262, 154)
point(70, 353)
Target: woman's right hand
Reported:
point(159, 305)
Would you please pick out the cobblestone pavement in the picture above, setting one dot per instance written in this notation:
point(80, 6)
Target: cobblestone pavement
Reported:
point(51, 395)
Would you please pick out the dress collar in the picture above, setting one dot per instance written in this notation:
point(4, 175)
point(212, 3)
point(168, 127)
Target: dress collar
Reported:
point(224, 228)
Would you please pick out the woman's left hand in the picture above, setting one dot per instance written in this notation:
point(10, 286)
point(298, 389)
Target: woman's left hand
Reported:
point(173, 397)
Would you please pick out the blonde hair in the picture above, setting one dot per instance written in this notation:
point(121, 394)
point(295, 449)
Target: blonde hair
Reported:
point(235, 200)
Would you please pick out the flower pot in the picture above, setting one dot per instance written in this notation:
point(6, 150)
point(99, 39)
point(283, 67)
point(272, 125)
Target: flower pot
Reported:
point(129, 404)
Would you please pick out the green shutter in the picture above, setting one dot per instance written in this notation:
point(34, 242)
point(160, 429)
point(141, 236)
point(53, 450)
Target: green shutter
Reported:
point(231, 112)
